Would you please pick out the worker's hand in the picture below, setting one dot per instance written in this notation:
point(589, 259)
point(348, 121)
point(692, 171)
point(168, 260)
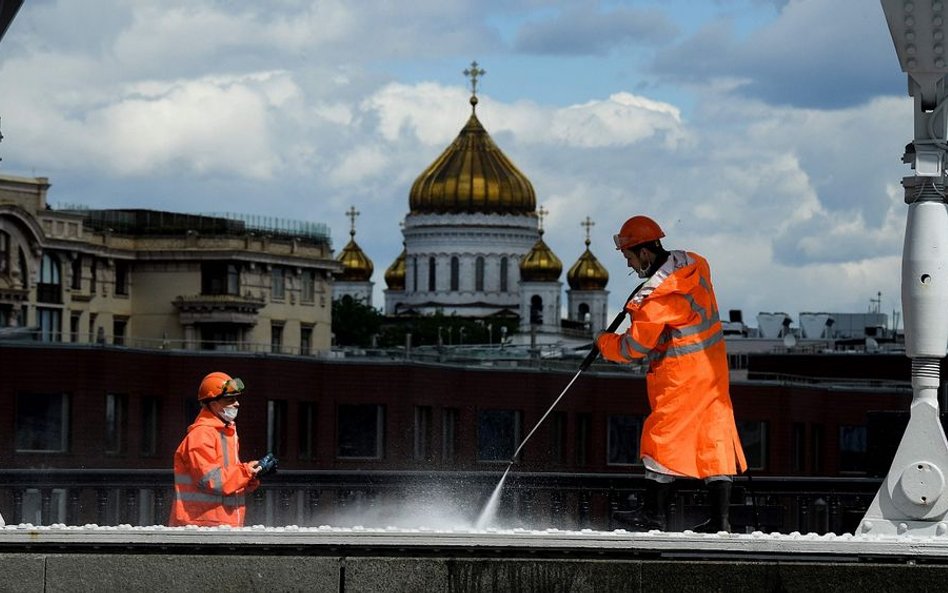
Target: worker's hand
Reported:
point(254, 467)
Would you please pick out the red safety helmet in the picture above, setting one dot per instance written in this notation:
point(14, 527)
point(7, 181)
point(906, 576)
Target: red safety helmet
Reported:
point(218, 384)
point(637, 230)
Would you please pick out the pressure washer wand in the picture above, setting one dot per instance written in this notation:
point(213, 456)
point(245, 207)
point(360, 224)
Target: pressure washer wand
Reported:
point(590, 358)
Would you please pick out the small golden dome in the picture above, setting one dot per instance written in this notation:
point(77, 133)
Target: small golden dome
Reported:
point(395, 274)
point(356, 265)
point(472, 175)
point(587, 273)
point(541, 264)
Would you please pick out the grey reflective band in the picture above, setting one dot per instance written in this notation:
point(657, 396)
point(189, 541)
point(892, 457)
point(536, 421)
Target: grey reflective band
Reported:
point(231, 500)
point(224, 447)
point(182, 479)
point(675, 351)
point(627, 346)
point(209, 479)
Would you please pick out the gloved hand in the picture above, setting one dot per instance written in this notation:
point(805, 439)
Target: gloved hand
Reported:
point(267, 465)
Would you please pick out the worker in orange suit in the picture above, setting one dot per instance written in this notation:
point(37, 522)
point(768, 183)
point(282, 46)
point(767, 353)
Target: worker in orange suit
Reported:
point(674, 328)
point(210, 482)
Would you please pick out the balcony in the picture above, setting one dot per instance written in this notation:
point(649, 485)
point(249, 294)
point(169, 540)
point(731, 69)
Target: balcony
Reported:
point(218, 308)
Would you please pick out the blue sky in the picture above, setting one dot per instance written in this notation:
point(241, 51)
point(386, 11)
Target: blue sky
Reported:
point(766, 135)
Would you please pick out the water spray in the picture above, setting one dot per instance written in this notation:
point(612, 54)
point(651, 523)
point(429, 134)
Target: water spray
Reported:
point(491, 508)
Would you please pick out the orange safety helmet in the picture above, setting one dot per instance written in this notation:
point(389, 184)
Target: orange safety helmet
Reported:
point(217, 384)
point(637, 230)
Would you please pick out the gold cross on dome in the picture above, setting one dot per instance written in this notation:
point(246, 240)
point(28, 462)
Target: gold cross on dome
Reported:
point(474, 73)
point(541, 214)
point(589, 224)
point(352, 213)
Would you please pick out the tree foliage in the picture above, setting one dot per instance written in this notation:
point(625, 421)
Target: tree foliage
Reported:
point(354, 323)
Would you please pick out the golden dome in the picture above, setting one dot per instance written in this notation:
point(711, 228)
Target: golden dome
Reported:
point(395, 274)
point(541, 264)
point(587, 273)
point(472, 175)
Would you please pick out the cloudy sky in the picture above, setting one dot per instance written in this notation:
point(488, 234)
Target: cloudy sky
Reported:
point(765, 134)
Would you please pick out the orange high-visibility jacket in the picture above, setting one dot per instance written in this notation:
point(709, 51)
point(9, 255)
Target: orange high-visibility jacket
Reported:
point(676, 329)
point(209, 480)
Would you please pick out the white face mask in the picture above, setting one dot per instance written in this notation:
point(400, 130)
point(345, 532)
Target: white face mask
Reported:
point(229, 413)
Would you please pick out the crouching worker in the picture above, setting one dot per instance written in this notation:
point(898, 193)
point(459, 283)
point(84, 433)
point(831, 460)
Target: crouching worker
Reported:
point(210, 482)
point(675, 329)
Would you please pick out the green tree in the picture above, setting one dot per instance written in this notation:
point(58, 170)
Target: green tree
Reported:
point(354, 323)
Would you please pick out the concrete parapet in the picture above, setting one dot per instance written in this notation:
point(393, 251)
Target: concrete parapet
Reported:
point(219, 571)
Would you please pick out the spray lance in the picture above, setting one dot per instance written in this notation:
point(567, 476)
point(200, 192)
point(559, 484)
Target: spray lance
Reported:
point(491, 507)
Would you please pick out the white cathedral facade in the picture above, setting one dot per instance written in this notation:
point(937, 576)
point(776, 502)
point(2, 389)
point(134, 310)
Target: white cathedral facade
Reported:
point(473, 247)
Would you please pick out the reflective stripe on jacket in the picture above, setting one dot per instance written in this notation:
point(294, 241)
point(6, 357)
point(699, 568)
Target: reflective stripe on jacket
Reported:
point(675, 328)
point(209, 480)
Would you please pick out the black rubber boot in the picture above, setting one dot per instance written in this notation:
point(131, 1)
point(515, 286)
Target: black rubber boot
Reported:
point(719, 501)
point(653, 514)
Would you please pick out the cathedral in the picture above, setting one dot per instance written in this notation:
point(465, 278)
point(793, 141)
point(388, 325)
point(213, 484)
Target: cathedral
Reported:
point(473, 247)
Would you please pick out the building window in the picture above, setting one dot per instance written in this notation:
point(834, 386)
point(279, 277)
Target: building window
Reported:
point(455, 273)
point(498, 434)
point(308, 288)
point(503, 274)
point(49, 289)
point(622, 440)
point(583, 423)
point(816, 449)
point(431, 274)
point(75, 321)
point(307, 430)
point(479, 274)
point(852, 449)
point(42, 422)
point(422, 433)
point(76, 281)
point(306, 340)
point(558, 438)
point(93, 275)
point(414, 274)
point(5, 252)
point(753, 435)
point(798, 447)
point(220, 278)
point(119, 326)
point(220, 336)
point(115, 407)
point(276, 427)
point(92, 318)
point(277, 284)
point(276, 338)
point(121, 278)
point(360, 431)
point(449, 431)
point(150, 423)
point(50, 324)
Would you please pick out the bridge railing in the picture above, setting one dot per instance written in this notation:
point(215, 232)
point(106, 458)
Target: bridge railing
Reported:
point(436, 500)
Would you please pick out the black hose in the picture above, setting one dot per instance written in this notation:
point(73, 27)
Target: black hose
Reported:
point(590, 358)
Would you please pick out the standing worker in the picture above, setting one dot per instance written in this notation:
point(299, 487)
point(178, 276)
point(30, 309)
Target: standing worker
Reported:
point(210, 482)
point(676, 330)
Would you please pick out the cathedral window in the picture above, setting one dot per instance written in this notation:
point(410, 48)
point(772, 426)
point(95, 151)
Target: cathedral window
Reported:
point(455, 273)
point(479, 274)
point(431, 273)
point(503, 274)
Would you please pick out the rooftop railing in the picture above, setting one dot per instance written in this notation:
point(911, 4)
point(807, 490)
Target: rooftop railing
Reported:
point(381, 498)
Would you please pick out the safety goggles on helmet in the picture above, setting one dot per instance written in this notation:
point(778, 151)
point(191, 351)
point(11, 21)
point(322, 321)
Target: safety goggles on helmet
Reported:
point(231, 388)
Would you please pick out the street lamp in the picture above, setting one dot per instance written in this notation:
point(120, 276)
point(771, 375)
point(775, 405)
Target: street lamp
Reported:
point(912, 498)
